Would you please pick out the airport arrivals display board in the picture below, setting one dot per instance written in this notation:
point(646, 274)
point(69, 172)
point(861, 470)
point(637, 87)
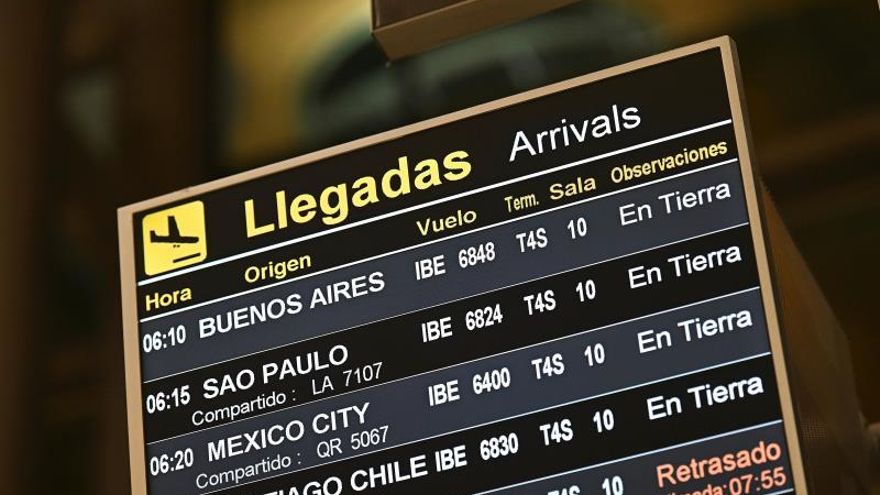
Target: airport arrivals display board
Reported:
point(564, 292)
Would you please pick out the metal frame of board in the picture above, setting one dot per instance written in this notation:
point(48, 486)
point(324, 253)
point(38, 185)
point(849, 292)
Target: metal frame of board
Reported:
point(411, 35)
point(752, 193)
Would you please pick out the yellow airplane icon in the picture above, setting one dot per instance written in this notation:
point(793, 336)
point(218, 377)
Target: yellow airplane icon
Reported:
point(174, 238)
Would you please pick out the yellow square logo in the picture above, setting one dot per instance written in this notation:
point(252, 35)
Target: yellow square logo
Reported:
point(174, 238)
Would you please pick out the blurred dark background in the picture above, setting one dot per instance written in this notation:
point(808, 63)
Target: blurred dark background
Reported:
point(105, 102)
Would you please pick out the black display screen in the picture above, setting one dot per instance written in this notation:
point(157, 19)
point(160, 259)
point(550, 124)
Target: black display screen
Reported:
point(554, 295)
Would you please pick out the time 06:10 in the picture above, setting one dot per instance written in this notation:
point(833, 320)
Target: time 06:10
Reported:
point(158, 340)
